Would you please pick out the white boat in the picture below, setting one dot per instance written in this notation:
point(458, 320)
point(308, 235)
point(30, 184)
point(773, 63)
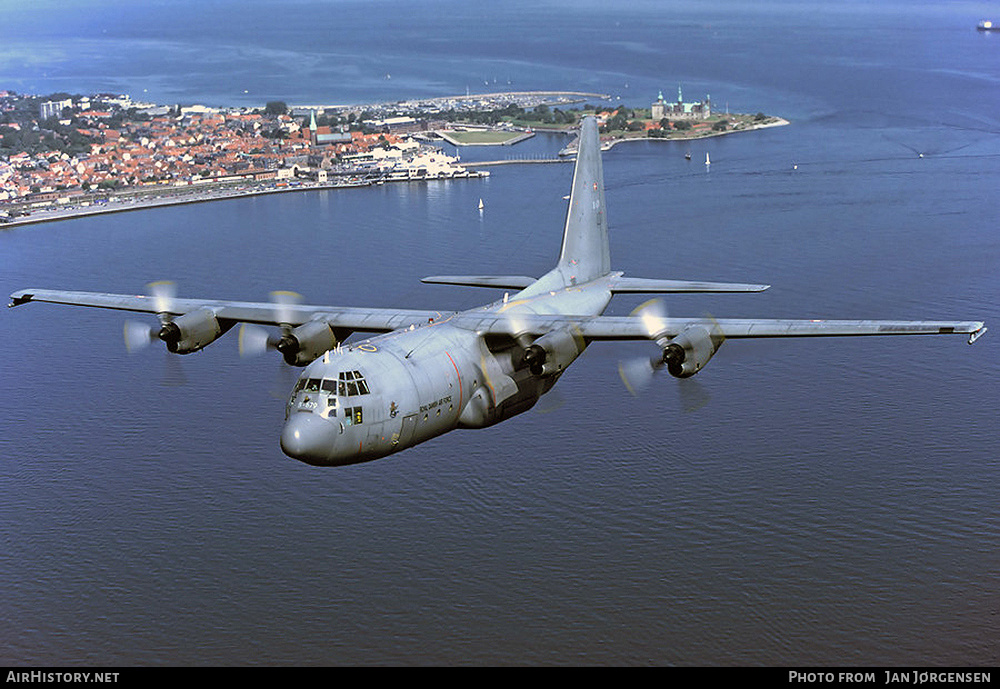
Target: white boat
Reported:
point(707, 161)
point(481, 206)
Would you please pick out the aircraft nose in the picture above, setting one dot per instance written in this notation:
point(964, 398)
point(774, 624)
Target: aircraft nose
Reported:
point(307, 438)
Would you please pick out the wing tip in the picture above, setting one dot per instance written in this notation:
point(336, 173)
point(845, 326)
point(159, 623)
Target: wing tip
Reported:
point(21, 297)
point(979, 331)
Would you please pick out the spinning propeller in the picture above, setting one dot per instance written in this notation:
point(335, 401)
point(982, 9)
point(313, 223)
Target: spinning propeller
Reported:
point(299, 342)
point(139, 335)
point(637, 373)
point(255, 339)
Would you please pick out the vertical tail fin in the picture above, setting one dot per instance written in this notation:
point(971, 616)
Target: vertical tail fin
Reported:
point(585, 253)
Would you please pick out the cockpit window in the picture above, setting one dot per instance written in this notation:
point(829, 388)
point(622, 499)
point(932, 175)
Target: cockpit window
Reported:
point(351, 383)
point(348, 384)
point(353, 416)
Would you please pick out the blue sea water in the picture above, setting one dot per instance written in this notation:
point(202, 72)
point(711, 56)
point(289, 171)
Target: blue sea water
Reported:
point(822, 502)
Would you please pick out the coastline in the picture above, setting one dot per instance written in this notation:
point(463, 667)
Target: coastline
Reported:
point(178, 199)
point(611, 142)
point(143, 199)
point(778, 122)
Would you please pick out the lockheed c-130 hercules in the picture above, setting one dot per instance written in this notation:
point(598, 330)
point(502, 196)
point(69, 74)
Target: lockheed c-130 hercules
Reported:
point(424, 373)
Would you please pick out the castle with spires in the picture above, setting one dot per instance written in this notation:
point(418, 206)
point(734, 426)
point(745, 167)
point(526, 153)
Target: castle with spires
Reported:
point(681, 110)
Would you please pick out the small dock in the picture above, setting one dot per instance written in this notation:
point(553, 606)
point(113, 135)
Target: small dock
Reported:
point(482, 137)
point(515, 161)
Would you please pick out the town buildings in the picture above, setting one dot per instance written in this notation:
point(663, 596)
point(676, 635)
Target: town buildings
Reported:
point(55, 150)
point(116, 147)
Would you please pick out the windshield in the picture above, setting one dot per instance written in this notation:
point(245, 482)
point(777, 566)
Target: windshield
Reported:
point(350, 383)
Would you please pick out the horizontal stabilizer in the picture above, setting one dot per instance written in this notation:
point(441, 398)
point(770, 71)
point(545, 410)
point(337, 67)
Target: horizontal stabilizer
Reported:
point(653, 286)
point(498, 281)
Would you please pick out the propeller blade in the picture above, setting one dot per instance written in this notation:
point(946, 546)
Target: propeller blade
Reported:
point(715, 330)
point(173, 372)
point(138, 335)
point(637, 373)
point(551, 401)
point(653, 315)
point(283, 301)
point(163, 292)
point(254, 340)
point(283, 382)
point(512, 315)
point(693, 395)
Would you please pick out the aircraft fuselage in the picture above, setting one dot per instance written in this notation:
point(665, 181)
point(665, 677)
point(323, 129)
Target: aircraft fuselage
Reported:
point(384, 394)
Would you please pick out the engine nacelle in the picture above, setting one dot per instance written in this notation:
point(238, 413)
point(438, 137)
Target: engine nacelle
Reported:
point(553, 352)
point(307, 343)
point(688, 353)
point(193, 331)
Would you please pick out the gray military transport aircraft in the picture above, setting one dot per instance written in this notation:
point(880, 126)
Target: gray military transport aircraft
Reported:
point(424, 373)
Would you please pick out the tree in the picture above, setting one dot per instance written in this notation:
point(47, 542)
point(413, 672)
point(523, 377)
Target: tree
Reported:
point(618, 122)
point(543, 114)
point(276, 107)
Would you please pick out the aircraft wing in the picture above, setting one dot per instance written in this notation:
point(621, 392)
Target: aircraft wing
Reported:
point(261, 313)
point(597, 328)
point(593, 328)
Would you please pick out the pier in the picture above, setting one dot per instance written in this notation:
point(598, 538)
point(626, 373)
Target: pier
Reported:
point(516, 161)
point(483, 136)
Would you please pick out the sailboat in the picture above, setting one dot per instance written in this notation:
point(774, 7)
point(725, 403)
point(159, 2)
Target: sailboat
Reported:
point(481, 206)
point(707, 161)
